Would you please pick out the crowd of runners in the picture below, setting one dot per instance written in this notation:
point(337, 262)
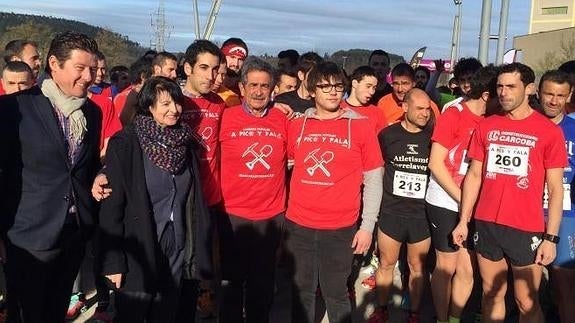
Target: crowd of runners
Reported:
point(184, 183)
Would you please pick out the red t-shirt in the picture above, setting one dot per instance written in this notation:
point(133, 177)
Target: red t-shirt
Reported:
point(453, 131)
point(120, 100)
point(2, 92)
point(373, 114)
point(515, 155)
point(329, 158)
point(110, 119)
point(203, 115)
point(253, 163)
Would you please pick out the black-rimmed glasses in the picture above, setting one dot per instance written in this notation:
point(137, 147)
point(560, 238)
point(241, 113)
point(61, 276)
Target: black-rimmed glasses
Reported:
point(326, 88)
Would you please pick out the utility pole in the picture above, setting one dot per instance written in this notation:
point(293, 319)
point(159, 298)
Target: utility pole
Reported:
point(502, 32)
point(211, 21)
point(456, 36)
point(484, 32)
point(196, 19)
point(161, 29)
point(485, 36)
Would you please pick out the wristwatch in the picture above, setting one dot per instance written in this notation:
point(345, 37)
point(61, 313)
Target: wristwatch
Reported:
point(551, 238)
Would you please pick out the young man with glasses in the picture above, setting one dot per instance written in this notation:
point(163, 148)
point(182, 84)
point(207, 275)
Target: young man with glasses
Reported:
point(334, 152)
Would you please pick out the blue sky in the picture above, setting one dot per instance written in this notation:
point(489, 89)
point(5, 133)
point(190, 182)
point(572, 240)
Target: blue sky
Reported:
point(269, 26)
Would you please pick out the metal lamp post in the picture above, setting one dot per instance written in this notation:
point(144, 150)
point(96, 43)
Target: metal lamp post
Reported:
point(456, 36)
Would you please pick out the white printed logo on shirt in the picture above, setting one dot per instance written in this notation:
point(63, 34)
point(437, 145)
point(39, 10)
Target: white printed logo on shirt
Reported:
point(259, 155)
point(319, 161)
point(203, 136)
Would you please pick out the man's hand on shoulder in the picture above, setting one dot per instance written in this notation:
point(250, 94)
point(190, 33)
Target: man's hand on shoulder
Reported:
point(287, 110)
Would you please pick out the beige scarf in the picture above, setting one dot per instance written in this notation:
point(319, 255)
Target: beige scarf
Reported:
point(69, 106)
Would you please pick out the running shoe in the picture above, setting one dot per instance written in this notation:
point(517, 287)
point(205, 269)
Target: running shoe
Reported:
point(372, 267)
point(77, 306)
point(369, 282)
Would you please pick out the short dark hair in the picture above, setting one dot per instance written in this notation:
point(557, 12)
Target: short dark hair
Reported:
point(378, 52)
point(116, 71)
point(198, 47)
point(359, 73)
point(568, 67)
point(17, 67)
point(483, 80)
point(14, 48)
point(150, 53)
point(403, 69)
point(252, 64)
point(307, 61)
point(151, 89)
point(161, 58)
point(324, 71)
point(290, 54)
point(140, 69)
point(555, 76)
point(286, 70)
point(100, 56)
point(424, 69)
point(63, 44)
point(466, 65)
point(525, 72)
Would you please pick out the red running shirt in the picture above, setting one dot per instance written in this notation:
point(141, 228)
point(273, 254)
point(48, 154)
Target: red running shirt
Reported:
point(253, 163)
point(203, 115)
point(515, 155)
point(453, 131)
point(373, 114)
point(110, 119)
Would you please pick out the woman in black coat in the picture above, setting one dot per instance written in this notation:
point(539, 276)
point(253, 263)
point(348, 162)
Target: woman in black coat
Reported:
point(155, 228)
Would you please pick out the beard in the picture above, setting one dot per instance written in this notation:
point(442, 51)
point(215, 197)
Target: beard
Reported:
point(232, 74)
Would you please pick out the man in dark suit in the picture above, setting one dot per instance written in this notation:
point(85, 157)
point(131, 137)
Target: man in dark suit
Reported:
point(49, 136)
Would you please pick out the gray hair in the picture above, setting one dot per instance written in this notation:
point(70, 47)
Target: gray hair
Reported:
point(253, 63)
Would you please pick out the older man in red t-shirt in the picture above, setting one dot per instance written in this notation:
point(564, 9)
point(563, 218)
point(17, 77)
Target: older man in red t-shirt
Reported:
point(252, 139)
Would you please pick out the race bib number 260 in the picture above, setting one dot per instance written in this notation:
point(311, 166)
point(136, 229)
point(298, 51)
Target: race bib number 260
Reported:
point(508, 160)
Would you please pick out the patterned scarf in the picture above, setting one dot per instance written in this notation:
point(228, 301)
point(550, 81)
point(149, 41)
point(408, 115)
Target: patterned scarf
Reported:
point(166, 147)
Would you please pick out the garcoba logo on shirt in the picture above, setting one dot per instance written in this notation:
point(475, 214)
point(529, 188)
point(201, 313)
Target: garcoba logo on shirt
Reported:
point(511, 137)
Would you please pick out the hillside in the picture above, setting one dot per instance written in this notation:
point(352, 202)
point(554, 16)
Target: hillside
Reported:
point(119, 50)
